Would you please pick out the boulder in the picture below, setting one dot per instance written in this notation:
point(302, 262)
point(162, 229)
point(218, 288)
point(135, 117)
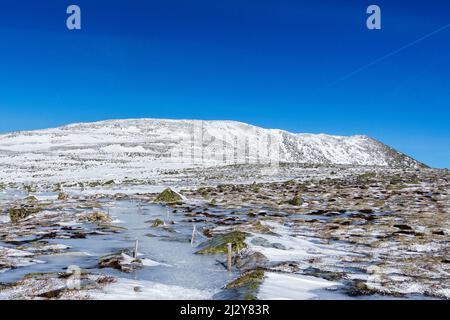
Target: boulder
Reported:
point(251, 261)
point(17, 214)
point(219, 243)
point(169, 196)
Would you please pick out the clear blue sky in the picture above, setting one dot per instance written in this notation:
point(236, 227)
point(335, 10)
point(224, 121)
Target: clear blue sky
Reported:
point(270, 63)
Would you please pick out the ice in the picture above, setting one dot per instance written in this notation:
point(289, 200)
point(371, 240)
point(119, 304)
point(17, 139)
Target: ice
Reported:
point(127, 289)
point(278, 286)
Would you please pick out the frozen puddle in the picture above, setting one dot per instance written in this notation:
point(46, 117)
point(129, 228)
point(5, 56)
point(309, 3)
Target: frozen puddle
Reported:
point(171, 269)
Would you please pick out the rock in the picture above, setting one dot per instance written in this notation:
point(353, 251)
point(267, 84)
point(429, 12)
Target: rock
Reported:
point(251, 261)
point(248, 284)
point(403, 227)
point(98, 217)
point(88, 284)
point(169, 196)
point(296, 201)
point(290, 267)
point(278, 246)
point(31, 199)
point(254, 227)
point(360, 288)
point(63, 196)
point(262, 242)
point(218, 244)
point(17, 214)
point(52, 294)
point(121, 196)
point(120, 261)
point(157, 222)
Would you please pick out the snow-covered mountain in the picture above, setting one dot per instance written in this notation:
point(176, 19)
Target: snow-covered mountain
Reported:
point(125, 147)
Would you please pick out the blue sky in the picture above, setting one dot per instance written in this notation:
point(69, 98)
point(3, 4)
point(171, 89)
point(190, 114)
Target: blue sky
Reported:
point(273, 63)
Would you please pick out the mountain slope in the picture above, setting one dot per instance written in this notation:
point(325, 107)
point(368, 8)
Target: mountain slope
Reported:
point(127, 146)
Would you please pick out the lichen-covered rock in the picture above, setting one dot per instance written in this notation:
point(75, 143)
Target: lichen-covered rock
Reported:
point(57, 187)
point(63, 196)
point(254, 227)
point(295, 201)
point(248, 284)
point(32, 199)
point(98, 217)
point(219, 243)
point(169, 196)
point(17, 214)
point(360, 288)
point(157, 222)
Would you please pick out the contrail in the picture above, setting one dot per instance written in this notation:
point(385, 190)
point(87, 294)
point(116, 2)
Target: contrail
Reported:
point(390, 54)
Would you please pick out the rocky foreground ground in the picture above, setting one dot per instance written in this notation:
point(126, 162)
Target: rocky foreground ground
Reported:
point(371, 232)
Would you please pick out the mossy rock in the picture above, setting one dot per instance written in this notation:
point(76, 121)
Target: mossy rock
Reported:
point(295, 201)
point(94, 184)
point(157, 222)
point(110, 228)
point(248, 284)
point(31, 199)
point(254, 227)
point(255, 187)
point(17, 214)
point(324, 274)
point(250, 279)
point(219, 243)
point(360, 288)
point(168, 196)
point(98, 217)
point(63, 196)
point(52, 275)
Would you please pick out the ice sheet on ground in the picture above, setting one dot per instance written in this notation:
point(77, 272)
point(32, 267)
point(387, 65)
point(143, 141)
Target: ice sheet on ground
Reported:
point(278, 286)
point(126, 289)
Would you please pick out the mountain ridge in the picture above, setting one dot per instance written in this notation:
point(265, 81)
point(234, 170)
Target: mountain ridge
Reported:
point(143, 145)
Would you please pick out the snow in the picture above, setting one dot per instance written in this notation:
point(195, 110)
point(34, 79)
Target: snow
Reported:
point(278, 286)
point(10, 252)
point(122, 149)
point(4, 219)
point(140, 148)
point(297, 248)
point(145, 261)
point(126, 289)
